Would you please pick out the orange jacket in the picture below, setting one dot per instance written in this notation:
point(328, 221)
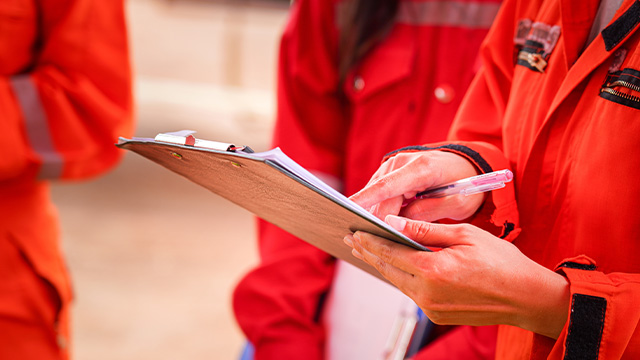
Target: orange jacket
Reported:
point(567, 120)
point(65, 96)
point(406, 91)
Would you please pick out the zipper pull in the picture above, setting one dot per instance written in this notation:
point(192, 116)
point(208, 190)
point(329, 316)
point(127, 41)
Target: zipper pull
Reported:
point(535, 60)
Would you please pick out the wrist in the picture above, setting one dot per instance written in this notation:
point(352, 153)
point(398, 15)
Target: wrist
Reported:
point(545, 305)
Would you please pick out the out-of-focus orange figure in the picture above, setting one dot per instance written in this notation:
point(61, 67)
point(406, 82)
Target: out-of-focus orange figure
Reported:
point(65, 96)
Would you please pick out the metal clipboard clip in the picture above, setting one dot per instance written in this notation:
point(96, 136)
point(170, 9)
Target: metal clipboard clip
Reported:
point(185, 137)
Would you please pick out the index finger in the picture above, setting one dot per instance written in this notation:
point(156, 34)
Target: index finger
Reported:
point(394, 184)
point(397, 255)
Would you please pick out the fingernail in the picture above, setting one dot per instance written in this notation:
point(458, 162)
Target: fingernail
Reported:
point(348, 240)
point(396, 222)
point(355, 253)
point(356, 236)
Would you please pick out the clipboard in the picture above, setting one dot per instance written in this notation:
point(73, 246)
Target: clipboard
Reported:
point(271, 186)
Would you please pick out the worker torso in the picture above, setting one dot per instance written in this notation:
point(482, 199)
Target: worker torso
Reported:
point(572, 134)
point(407, 90)
point(571, 131)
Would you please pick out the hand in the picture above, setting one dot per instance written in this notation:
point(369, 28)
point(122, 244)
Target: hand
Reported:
point(476, 279)
point(406, 174)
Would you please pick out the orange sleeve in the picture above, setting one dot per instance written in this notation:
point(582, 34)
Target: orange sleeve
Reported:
point(478, 125)
point(603, 318)
point(63, 114)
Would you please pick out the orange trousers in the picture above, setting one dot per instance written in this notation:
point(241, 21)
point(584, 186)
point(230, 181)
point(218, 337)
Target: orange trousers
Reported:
point(32, 323)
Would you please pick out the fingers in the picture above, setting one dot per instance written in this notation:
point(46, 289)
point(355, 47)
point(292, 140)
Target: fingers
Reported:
point(406, 174)
point(426, 209)
point(430, 234)
point(457, 207)
point(399, 176)
point(385, 261)
point(387, 207)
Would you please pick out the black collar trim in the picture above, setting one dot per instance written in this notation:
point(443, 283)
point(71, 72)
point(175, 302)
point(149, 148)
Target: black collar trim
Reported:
point(616, 32)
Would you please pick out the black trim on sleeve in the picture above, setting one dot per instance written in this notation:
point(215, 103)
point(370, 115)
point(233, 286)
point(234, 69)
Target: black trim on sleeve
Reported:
point(508, 228)
point(616, 32)
point(573, 265)
point(474, 155)
point(585, 327)
point(408, 148)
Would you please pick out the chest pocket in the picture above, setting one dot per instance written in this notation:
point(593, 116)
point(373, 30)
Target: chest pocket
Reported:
point(623, 87)
point(386, 65)
point(622, 84)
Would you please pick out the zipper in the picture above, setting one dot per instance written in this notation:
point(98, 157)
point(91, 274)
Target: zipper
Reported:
point(626, 84)
point(609, 88)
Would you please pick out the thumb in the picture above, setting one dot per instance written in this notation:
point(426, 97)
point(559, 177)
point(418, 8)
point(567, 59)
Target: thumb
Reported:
point(428, 234)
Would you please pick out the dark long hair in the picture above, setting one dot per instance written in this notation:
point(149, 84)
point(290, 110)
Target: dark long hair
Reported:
point(363, 24)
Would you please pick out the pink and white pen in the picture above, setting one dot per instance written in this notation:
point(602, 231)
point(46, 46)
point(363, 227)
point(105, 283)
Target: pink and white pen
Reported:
point(473, 185)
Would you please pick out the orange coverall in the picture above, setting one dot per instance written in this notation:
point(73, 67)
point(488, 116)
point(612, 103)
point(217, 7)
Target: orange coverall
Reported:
point(65, 96)
point(566, 116)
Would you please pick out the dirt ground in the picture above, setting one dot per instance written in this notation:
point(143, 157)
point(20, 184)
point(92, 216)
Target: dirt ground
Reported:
point(154, 257)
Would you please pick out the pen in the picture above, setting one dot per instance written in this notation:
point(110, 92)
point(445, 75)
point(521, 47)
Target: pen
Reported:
point(473, 185)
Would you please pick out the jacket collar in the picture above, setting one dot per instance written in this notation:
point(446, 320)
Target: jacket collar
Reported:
point(596, 53)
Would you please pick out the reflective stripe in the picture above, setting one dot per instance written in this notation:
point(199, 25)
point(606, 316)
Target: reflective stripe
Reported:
point(37, 127)
point(448, 13)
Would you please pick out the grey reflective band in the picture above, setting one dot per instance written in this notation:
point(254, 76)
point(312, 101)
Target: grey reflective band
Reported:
point(37, 127)
point(475, 15)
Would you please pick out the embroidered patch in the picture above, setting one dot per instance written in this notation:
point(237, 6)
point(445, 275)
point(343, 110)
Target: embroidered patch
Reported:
point(522, 30)
point(536, 41)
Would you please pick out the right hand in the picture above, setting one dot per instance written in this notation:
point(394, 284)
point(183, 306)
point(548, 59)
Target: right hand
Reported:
point(475, 279)
point(406, 174)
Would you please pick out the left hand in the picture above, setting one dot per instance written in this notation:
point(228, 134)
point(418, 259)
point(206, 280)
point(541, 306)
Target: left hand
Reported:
point(476, 279)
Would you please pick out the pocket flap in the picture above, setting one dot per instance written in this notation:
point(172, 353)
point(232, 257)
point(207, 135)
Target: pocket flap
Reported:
point(391, 61)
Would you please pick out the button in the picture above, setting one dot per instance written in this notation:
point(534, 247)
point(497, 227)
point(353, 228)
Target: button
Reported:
point(358, 83)
point(444, 93)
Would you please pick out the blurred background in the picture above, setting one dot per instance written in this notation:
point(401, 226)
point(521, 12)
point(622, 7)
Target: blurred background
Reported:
point(154, 257)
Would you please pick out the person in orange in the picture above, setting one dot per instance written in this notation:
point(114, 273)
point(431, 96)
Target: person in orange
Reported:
point(557, 101)
point(353, 76)
point(65, 97)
